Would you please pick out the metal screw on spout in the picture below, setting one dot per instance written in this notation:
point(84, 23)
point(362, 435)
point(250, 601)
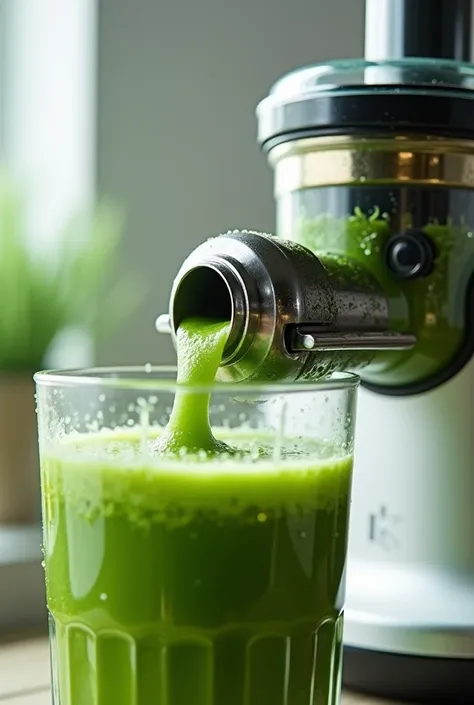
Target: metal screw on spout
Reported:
point(163, 324)
point(308, 341)
point(303, 341)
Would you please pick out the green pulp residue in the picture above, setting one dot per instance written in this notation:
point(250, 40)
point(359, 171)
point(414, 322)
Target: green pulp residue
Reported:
point(431, 307)
point(200, 345)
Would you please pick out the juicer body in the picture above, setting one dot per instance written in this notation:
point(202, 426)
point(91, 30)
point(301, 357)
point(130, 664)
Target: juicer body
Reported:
point(410, 576)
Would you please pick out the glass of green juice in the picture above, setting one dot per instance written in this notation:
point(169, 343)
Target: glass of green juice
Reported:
point(195, 578)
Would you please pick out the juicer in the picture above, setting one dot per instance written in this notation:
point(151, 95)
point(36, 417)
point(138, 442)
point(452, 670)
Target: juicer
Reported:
point(372, 269)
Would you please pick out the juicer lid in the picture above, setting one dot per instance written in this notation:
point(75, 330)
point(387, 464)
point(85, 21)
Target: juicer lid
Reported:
point(428, 96)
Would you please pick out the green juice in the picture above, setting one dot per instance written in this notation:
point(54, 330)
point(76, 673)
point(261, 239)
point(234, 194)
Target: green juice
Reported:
point(431, 307)
point(209, 576)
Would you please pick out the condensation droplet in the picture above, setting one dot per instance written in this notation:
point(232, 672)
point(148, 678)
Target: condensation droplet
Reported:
point(261, 517)
point(103, 596)
point(148, 368)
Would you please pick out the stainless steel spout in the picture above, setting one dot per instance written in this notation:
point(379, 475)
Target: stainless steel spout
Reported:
point(290, 315)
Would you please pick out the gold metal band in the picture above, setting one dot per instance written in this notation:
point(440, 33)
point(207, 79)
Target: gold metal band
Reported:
point(331, 161)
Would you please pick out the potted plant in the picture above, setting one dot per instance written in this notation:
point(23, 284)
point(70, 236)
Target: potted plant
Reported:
point(42, 294)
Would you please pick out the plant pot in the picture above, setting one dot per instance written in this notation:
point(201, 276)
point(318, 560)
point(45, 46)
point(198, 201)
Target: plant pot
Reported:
point(19, 466)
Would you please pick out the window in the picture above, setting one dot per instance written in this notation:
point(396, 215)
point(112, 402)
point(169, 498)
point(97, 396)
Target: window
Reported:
point(47, 135)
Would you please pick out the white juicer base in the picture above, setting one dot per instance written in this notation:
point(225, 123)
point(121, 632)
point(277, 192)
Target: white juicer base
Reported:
point(410, 579)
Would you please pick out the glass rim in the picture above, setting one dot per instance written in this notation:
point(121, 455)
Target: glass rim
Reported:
point(121, 377)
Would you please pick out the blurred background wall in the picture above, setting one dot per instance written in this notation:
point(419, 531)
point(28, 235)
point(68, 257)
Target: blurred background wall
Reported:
point(178, 83)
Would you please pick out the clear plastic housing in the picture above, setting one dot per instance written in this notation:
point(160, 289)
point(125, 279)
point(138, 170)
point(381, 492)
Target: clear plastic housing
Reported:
point(357, 222)
point(211, 580)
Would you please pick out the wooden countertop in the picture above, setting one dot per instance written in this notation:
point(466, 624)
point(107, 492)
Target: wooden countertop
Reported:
point(24, 675)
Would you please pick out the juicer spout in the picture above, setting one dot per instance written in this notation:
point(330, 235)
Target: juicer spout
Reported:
point(291, 315)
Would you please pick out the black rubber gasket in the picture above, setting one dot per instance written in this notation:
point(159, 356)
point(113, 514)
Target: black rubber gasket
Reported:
point(380, 111)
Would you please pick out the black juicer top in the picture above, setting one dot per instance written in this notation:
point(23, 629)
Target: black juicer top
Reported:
point(411, 95)
point(414, 79)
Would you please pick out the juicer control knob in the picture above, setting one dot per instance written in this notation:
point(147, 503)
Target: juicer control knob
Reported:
point(410, 255)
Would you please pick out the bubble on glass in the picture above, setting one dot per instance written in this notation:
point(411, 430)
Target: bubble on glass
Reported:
point(254, 454)
point(101, 398)
point(148, 367)
point(103, 596)
point(143, 409)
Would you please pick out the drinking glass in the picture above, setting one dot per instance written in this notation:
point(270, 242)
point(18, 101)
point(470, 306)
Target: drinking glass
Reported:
point(199, 579)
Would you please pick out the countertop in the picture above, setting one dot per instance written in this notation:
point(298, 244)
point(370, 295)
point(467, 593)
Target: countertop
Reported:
point(24, 674)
